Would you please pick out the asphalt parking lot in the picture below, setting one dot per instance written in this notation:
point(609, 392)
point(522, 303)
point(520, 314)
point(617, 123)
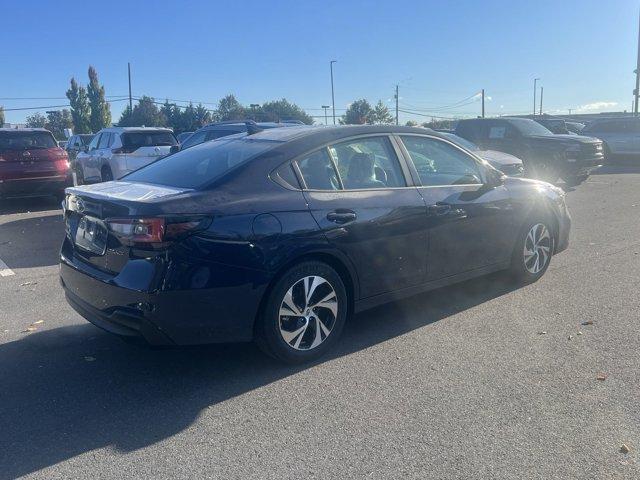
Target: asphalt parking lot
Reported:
point(481, 380)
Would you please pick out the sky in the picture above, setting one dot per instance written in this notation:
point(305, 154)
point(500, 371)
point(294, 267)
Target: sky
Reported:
point(439, 53)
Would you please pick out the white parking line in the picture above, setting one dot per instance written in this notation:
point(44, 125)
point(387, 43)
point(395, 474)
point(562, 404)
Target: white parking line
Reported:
point(5, 271)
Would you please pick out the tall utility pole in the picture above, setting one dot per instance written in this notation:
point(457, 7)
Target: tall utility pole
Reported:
point(325, 113)
point(333, 98)
point(397, 123)
point(636, 92)
point(570, 111)
point(130, 100)
point(535, 88)
point(541, 93)
point(483, 103)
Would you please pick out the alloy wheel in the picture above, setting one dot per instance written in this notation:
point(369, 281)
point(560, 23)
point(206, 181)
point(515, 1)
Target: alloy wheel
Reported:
point(308, 313)
point(537, 248)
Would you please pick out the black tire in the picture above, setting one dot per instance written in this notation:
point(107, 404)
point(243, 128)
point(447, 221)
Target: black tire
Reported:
point(574, 181)
point(106, 174)
point(269, 336)
point(521, 270)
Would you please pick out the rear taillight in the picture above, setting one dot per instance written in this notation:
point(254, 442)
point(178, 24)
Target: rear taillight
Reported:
point(155, 230)
point(123, 150)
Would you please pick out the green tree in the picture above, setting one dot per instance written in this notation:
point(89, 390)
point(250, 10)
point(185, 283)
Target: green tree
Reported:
point(172, 115)
point(411, 123)
point(381, 114)
point(57, 121)
point(1, 116)
point(281, 110)
point(230, 109)
point(358, 113)
point(145, 113)
point(188, 119)
point(100, 111)
point(37, 120)
point(80, 111)
point(202, 116)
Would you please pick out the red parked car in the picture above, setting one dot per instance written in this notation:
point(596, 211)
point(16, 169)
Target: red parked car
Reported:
point(32, 164)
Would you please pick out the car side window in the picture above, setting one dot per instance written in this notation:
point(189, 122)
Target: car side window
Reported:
point(318, 171)
point(368, 163)
point(439, 163)
point(195, 139)
point(104, 140)
point(94, 143)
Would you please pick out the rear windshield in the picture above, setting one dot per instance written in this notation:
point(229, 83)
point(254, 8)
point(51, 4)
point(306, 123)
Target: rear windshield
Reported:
point(26, 140)
point(201, 164)
point(148, 139)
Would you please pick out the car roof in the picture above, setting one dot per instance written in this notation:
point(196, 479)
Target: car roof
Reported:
point(24, 130)
point(135, 129)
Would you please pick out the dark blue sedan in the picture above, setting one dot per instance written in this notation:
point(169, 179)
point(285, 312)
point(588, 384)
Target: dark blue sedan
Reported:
point(279, 235)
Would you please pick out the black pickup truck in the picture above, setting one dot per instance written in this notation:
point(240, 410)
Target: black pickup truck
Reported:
point(546, 156)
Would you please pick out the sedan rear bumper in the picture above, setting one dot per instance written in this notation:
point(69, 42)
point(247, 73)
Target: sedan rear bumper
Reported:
point(163, 317)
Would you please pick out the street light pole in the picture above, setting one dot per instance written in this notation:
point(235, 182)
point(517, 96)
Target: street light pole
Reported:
point(636, 92)
point(333, 98)
point(541, 93)
point(325, 113)
point(535, 88)
point(130, 100)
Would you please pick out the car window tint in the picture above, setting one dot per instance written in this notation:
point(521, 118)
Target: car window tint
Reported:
point(439, 163)
point(201, 164)
point(195, 139)
point(104, 140)
point(94, 143)
point(368, 163)
point(148, 139)
point(318, 172)
point(286, 174)
point(213, 134)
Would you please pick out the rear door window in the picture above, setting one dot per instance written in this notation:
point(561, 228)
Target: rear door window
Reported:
point(318, 171)
point(368, 163)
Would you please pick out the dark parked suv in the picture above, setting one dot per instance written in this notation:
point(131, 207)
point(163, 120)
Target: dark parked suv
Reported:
point(279, 235)
point(32, 163)
point(224, 129)
point(546, 156)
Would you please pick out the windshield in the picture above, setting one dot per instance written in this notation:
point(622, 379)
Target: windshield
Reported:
point(148, 139)
point(529, 127)
point(199, 165)
point(86, 138)
point(26, 140)
point(472, 147)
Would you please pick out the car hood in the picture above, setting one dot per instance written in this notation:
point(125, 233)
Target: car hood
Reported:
point(564, 139)
point(499, 158)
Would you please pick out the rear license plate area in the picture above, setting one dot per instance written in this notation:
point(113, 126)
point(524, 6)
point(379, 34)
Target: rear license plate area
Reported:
point(91, 235)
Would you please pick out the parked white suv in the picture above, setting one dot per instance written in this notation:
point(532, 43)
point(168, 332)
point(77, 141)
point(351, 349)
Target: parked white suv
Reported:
point(117, 151)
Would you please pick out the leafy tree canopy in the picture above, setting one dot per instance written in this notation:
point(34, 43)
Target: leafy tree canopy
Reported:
point(37, 120)
point(100, 116)
point(358, 113)
point(145, 113)
point(80, 110)
point(230, 109)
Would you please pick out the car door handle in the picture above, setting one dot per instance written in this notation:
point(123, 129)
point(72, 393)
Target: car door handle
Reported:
point(341, 216)
point(439, 209)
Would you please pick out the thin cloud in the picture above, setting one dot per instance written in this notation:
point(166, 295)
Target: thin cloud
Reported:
point(590, 107)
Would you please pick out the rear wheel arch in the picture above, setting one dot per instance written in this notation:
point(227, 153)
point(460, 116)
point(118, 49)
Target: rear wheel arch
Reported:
point(346, 273)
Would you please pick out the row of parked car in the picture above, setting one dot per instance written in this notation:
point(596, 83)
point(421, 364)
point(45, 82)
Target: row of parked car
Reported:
point(32, 162)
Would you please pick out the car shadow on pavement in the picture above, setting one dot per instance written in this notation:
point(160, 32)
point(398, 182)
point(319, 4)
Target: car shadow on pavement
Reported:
point(32, 241)
point(28, 204)
point(71, 390)
point(617, 169)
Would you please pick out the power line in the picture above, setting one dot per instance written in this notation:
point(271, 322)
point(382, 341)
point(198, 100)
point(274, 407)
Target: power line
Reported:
point(53, 106)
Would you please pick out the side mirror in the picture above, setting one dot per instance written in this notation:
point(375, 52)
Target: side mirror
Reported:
point(174, 149)
point(85, 149)
point(495, 178)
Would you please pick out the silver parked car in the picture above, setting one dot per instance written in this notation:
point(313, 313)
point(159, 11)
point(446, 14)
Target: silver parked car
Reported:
point(621, 136)
point(117, 151)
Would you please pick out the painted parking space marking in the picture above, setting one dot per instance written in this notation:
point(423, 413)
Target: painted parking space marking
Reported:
point(5, 271)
